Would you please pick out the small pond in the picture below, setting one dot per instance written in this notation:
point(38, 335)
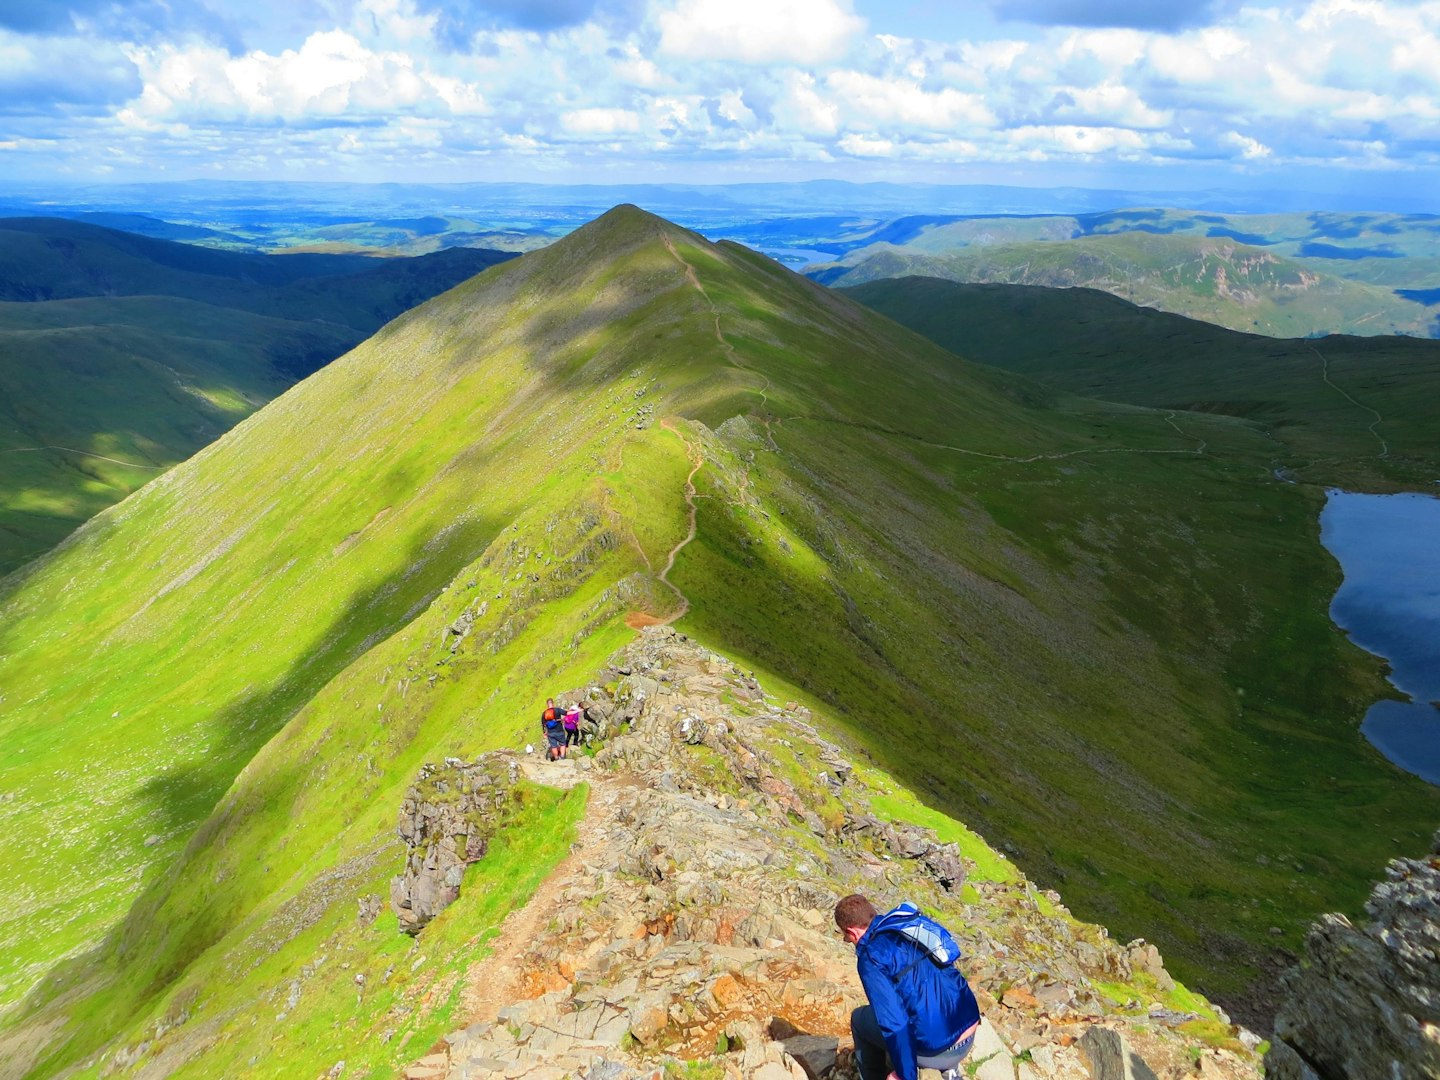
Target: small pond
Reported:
point(1389, 603)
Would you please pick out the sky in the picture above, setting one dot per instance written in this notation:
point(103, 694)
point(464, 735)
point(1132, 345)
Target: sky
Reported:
point(1099, 93)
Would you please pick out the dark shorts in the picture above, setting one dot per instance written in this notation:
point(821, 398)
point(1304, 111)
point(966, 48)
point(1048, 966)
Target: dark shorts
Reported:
point(555, 738)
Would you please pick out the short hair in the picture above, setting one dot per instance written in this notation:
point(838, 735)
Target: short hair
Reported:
point(854, 910)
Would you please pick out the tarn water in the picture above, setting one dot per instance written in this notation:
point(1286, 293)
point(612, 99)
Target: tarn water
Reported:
point(1389, 603)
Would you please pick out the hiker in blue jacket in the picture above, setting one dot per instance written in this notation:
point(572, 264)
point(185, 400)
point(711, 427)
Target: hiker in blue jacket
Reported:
point(922, 1012)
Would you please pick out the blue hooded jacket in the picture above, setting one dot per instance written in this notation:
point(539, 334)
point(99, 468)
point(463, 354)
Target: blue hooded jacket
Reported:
point(922, 1003)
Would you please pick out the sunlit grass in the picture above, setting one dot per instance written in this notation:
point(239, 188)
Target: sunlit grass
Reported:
point(258, 647)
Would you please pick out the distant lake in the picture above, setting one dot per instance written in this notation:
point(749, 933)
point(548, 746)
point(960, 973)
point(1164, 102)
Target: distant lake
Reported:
point(798, 257)
point(795, 258)
point(1389, 603)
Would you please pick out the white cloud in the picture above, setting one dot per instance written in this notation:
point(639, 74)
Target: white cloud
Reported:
point(396, 19)
point(1250, 149)
point(39, 74)
point(1111, 48)
point(331, 75)
point(639, 70)
point(904, 103)
point(1072, 139)
point(1109, 104)
point(731, 106)
point(865, 146)
point(599, 121)
point(1196, 58)
point(801, 108)
point(759, 31)
point(745, 81)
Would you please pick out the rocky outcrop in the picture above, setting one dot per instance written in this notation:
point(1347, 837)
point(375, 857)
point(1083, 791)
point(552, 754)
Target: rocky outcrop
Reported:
point(1365, 1002)
point(692, 921)
point(446, 822)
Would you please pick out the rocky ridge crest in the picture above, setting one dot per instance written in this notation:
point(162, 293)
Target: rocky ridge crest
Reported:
point(1365, 1003)
point(689, 933)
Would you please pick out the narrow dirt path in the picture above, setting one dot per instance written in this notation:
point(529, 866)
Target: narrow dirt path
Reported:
point(1203, 443)
point(694, 281)
point(697, 459)
point(1200, 449)
point(728, 348)
point(83, 453)
point(1325, 377)
point(498, 980)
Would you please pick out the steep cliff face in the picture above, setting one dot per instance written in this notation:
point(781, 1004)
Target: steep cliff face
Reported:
point(1365, 1002)
point(689, 932)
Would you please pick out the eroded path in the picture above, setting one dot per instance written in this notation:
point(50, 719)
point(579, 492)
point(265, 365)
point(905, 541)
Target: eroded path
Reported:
point(1028, 460)
point(501, 979)
point(83, 453)
point(1325, 377)
point(729, 349)
point(725, 345)
point(697, 459)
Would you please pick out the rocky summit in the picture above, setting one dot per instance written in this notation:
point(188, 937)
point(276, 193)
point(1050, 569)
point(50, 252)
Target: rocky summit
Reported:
point(691, 922)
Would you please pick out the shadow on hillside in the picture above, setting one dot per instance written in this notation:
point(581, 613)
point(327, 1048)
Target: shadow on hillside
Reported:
point(140, 958)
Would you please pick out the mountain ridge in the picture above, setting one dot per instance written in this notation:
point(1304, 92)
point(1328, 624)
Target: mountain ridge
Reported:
point(267, 628)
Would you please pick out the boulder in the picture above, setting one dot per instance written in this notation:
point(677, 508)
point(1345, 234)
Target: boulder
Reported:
point(814, 1053)
point(446, 821)
point(1108, 1056)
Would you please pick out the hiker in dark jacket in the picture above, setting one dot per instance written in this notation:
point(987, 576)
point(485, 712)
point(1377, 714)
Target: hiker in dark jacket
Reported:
point(552, 723)
point(922, 1012)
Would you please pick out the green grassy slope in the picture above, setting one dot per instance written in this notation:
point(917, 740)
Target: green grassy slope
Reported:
point(98, 396)
point(1049, 616)
point(1216, 279)
point(1355, 411)
point(155, 349)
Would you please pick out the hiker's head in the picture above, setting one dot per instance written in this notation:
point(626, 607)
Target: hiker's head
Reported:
point(549, 702)
point(853, 915)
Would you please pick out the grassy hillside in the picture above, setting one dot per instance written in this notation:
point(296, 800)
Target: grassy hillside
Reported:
point(58, 259)
point(1218, 280)
point(1401, 251)
point(121, 355)
point(1353, 411)
point(1097, 635)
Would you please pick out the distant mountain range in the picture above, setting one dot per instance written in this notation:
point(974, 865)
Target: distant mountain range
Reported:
point(121, 355)
point(1264, 262)
point(1097, 633)
point(1280, 275)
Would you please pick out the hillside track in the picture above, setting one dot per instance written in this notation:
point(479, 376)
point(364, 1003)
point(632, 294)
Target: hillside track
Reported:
point(1031, 459)
point(725, 345)
point(499, 979)
point(84, 453)
point(1325, 377)
point(697, 459)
